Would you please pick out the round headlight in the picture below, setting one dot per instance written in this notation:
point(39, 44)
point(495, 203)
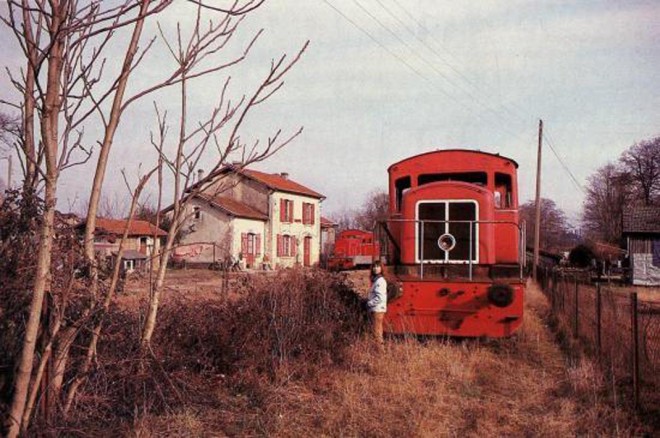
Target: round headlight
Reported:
point(446, 242)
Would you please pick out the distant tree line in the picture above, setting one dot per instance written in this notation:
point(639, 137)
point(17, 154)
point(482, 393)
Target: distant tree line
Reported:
point(632, 180)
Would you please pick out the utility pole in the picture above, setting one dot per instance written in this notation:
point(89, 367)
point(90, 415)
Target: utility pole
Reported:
point(537, 220)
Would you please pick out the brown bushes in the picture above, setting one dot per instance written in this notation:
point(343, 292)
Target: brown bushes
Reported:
point(281, 328)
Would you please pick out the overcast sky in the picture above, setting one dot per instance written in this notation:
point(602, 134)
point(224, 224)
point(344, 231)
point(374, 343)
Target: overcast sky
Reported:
point(386, 79)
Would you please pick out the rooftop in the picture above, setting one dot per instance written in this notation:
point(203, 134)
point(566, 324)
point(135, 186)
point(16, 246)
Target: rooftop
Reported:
point(137, 227)
point(234, 207)
point(642, 220)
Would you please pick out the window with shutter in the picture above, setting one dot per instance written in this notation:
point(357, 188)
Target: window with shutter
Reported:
point(279, 245)
point(282, 210)
point(244, 243)
point(311, 214)
point(258, 244)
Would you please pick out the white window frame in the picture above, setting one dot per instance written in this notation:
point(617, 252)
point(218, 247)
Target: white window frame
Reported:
point(475, 237)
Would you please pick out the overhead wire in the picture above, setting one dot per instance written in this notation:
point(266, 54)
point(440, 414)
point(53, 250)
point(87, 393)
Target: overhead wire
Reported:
point(437, 71)
point(412, 50)
point(375, 40)
point(444, 61)
point(574, 180)
point(421, 26)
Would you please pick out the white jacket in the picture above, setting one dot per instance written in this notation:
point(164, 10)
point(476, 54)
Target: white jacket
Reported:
point(377, 299)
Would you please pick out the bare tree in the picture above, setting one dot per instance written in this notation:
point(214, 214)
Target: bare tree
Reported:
point(63, 43)
point(225, 121)
point(555, 234)
point(67, 84)
point(375, 209)
point(608, 194)
point(642, 163)
point(10, 129)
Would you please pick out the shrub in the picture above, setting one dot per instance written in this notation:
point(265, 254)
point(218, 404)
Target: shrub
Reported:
point(581, 256)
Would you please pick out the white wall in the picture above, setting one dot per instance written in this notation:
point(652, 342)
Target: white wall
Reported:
point(296, 228)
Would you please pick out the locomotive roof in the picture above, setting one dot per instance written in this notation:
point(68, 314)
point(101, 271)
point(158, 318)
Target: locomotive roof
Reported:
point(453, 150)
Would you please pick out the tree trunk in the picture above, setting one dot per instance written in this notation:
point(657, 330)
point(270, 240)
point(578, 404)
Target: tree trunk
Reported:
point(49, 137)
point(26, 362)
point(108, 138)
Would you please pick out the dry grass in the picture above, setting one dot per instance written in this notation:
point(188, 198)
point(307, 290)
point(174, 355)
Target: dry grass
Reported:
point(516, 387)
point(644, 293)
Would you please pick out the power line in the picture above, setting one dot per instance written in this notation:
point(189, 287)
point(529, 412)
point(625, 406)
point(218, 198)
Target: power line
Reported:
point(372, 38)
point(561, 161)
point(437, 71)
point(401, 59)
point(412, 32)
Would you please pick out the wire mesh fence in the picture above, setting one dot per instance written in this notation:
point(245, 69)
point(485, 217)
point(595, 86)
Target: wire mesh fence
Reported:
point(615, 327)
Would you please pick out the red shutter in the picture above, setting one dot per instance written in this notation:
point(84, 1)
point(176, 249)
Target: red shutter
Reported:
point(279, 245)
point(290, 211)
point(244, 243)
point(257, 243)
point(282, 210)
point(304, 211)
point(311, 214)
point(294, 246)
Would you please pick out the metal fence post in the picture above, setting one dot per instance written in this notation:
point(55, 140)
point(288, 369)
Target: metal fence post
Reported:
point(635, 348)
point(577, 318)
point(598, 319)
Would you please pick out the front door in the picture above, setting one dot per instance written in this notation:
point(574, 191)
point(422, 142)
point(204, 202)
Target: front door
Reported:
point(251, 250)
point(307, 251)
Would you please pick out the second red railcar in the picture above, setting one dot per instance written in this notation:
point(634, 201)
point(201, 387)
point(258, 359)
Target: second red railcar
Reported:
point(353, 249)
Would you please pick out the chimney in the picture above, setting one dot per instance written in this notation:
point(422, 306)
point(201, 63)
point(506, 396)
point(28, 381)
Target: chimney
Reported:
point(284, 175)
point(200, 174)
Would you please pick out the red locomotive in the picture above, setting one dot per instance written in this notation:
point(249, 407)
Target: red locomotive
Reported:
point(455, 245)
point(353, 248)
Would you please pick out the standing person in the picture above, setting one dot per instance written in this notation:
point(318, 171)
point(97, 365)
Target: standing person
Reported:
point(377, 302)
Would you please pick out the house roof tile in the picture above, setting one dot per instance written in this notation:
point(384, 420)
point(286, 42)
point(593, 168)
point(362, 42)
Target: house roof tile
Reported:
point(642, 220)
point(327, 223)
point(137, 227)
point(234, 207)
point(276, 181)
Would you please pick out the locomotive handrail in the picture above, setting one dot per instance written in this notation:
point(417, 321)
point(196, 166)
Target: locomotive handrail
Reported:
point(521, 233)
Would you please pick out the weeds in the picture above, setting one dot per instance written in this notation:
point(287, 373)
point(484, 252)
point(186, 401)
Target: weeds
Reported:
point(287, 356)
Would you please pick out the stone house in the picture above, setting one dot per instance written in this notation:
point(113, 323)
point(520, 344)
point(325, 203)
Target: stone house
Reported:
point(265, 220)
point(143, 241)
point(641, 230)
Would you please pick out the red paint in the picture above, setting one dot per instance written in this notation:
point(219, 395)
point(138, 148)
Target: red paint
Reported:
point(468, 201)
point(353, 248)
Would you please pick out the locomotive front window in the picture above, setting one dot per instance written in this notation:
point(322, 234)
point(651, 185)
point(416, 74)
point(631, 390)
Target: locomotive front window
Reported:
point(431, 231)
point(447, 218)
point(480, 178)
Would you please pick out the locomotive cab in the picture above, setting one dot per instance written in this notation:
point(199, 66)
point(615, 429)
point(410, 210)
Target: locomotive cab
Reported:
point(455, 245)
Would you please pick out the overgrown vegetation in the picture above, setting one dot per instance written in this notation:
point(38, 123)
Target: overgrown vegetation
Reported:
point(287, 329)
point(287, 355)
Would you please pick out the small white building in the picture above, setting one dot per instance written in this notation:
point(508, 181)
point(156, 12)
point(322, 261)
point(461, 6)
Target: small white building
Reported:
point(266, 220)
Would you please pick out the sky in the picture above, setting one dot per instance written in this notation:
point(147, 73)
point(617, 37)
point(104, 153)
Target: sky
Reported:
point(383, 80)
